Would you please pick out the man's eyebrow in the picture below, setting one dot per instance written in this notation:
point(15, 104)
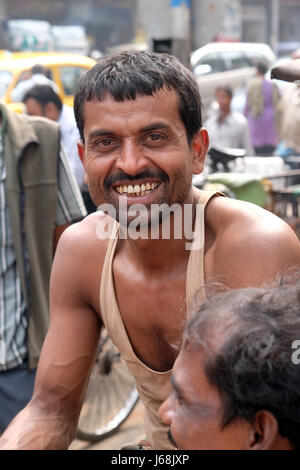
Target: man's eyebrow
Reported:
point(152, 127)
point(201, 408)
point(99, 133)
point(175, 386)
point(155, 127)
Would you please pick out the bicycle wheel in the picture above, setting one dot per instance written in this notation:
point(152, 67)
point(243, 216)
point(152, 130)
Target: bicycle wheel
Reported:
point(111, 394)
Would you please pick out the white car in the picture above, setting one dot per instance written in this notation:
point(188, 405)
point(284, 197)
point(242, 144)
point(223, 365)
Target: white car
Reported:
point(227, 63)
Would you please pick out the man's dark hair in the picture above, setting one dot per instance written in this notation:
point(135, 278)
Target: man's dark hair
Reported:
point(128, 74)
point(262, 68)
point(252, 368)
point(43, 94)
point(37, 68)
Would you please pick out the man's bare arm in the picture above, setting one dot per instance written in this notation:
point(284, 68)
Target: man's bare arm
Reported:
point(49, 421)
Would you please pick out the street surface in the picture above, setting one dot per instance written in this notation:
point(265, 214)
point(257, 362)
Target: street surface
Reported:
point(131, 432)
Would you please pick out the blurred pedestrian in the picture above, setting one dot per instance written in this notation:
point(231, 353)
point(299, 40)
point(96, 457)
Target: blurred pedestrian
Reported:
point(226, 127)
point(39, 199)
point(290, 121)
point(42, 100)
point(37, 75)
point(262, 112)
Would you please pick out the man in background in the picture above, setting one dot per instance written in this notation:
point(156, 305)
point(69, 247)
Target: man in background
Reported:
point(39, 199)
point(42, 100)
point(228, 128)
point(37, 75)
point(262, 112)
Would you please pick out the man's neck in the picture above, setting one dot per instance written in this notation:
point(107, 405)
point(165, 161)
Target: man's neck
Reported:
point(169, 247)
point(223, 115)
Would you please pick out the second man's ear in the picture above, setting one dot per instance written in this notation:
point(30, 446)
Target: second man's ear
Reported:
point(265, 431)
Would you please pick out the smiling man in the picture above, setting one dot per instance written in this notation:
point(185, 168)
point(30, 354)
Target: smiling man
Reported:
point(139, 117)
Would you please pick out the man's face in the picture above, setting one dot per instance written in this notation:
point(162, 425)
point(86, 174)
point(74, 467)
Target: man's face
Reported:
point(223, 100)
point(194, 410)
point(136, 150)
point(33, 107)
point(49, 110)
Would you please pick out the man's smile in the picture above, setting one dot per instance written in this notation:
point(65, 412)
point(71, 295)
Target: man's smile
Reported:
point(137, 190)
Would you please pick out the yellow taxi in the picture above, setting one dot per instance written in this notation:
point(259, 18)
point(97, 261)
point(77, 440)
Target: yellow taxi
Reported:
point(65, 69)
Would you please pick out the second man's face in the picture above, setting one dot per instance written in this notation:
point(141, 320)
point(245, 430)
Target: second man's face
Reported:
point(194, 412)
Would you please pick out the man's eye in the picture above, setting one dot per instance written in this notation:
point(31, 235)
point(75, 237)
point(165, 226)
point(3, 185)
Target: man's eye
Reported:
point(155, 137)
point(105, 142)
point(178, 399)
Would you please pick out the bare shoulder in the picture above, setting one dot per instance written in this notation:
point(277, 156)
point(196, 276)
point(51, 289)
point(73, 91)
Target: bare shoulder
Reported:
point(79, 259)
point(86, 236)
point(251, 245)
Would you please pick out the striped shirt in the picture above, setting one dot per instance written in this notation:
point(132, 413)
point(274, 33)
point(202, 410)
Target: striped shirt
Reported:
point(13, 309)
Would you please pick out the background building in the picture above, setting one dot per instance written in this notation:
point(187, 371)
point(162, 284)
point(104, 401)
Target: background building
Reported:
point(107, 22)
point(180, 25)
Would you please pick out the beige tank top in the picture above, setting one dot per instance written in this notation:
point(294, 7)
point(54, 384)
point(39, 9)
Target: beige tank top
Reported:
point(153, 386)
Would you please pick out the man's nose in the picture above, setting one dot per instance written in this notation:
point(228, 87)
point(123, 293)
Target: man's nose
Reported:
point(131, 159)
point(166, 411)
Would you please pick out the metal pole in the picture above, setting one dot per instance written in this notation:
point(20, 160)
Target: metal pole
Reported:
point(275, 25)
point(181, 30)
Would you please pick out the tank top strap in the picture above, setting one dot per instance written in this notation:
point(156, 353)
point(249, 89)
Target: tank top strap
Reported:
point(106, 287)
point(195, 282)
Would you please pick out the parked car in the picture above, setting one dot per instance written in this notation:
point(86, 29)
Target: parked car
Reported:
point(230, 63)
point(64, 69)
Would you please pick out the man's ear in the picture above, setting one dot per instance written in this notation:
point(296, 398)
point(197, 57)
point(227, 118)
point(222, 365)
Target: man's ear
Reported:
point(81, 153)
point(264, 432)
point(199, 146)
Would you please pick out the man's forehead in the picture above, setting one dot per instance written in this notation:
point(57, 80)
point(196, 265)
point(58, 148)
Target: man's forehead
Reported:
point(161, 95)
point(161, 107)
point(189, 363)
point(192, 386)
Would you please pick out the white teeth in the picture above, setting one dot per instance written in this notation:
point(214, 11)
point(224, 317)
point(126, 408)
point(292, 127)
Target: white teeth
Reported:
point(137, 190)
